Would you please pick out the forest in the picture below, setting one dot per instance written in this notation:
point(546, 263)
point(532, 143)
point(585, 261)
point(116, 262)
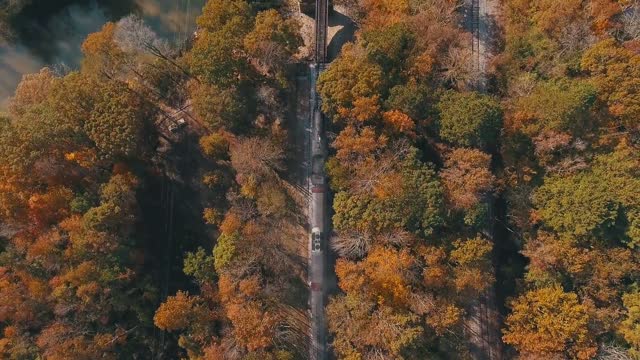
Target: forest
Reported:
point(515, 203)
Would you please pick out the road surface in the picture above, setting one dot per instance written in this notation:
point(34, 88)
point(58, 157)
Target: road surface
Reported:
point(317, 220)
point(318, 212)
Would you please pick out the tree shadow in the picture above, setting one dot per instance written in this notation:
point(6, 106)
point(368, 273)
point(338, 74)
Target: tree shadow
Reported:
point(495, 42)
point(343, 36)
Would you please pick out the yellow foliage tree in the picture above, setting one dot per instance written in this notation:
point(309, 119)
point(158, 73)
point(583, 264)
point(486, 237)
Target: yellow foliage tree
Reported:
point(548, 322)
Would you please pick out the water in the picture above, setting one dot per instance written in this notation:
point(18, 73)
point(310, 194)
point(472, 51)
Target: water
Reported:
point(50, 32)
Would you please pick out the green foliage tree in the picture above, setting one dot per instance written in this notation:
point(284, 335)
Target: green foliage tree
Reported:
point(389, 46)
point(199, 265)
point(214, 59)
point(225, 250)
point(598, 202)
point(560, 105)
point(118, 204)
point(423, 195)
point(410, 98)
point(220, 107)
point(352, 76)
point(417, 206)
point(469, 119)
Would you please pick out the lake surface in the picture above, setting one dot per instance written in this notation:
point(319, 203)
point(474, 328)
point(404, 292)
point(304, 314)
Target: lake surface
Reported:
point(50, 32)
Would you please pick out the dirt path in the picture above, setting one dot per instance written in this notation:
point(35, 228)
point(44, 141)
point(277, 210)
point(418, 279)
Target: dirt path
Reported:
point(483, 320)
point(487, 36)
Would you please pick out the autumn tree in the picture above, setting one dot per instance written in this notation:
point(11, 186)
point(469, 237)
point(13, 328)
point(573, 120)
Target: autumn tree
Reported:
point(75, 277)
point(273, 41)
point(220, 107)
point(384, 275)
point(178, 312)
point(226, 15)
point(363, 328)
point(615, 71)
point(467, 177)
point(351, 77)
point(473, 271)
point(215, 146)
point(566, 78)
point(355, 147)
point(405, 258)
point(551, 16)
point(556, 106)
point(256, 156)
point(102, 56)
point(253, 326)
point(117, 122)
point(630, 327)
point(32, 89)
point(191, 317)
point(558, 326)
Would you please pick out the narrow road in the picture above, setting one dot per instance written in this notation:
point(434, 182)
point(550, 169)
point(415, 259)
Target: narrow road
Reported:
point(318, 209)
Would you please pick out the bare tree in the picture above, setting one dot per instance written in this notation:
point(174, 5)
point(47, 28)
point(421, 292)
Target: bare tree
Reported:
point(398, 238)
point(458, 68)
point(370, 172)
point(630, 18)
point(351, 244)
point(438, 11)
point(577, 36)
point(134, 36)
point(256, 156)
point(611, 352)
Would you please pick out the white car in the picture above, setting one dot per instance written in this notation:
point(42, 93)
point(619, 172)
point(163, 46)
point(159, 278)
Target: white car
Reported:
point(316, 239)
